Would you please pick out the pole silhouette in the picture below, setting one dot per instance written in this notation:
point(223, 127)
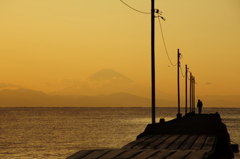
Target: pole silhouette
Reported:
point(178, 83)
point(194, 94)
point(186, 78)
point(190, 92)
point(153, 59)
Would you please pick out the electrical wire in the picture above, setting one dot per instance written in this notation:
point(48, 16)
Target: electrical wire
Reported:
point(164, 39)
point(192, 78)
point(182, 71)
point(188, 76)
point(135, 9)
point(159, 16)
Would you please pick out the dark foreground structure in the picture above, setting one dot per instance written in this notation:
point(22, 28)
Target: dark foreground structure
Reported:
point(194, 136)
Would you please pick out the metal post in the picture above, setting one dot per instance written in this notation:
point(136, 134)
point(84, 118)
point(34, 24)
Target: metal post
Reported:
point(178, 84)
point(194, 93)
point(153, 60)
point(190, 93)
point(186, 78)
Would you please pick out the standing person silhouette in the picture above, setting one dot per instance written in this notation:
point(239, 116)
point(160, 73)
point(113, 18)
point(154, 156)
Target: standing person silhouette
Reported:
point(199, 105)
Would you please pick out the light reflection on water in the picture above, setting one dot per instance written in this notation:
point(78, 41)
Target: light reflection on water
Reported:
point(59, 132)
point(145, 120)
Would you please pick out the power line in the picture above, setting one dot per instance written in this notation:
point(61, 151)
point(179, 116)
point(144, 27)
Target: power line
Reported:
point(159, 16)
point(188, 77)
point(181, 71)
point(164, 39)
point(135, 9)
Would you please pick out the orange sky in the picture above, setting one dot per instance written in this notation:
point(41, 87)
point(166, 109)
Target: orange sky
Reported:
point(46, 41)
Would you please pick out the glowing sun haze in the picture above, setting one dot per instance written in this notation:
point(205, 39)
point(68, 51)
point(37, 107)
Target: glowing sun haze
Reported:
point(47, 43)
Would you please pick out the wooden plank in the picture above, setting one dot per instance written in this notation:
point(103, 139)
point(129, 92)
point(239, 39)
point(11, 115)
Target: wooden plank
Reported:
point(129, 154)
point(145, 154)
point(80, 154)
point(162, 154)
point(141, 154)
point(133, 143)
point(96, 154)
point(188, 143)
point(199, 154)
point(177, 143)
point(209, 143)
point(146, 142)
point(199, 142)
point(167, 142)
point(180, 154)
point(112, 154)
point(155, 143)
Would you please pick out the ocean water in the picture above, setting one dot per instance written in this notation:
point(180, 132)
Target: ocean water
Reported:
point(56, 133)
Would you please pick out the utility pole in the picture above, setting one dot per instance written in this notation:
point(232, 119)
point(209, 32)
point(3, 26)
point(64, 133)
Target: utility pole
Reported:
point(194, 94)
point(179, 115)
point(153, 59)
point(186, 78)
point(190, 93)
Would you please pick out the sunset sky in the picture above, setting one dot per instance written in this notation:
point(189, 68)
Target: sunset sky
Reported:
point(47, 43)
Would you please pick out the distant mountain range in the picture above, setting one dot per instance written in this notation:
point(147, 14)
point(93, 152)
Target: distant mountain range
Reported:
point(30, 98)
point(108, 81)
point(105, 88)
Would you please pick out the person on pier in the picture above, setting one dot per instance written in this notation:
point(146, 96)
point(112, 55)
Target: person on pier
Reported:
point(199, 105)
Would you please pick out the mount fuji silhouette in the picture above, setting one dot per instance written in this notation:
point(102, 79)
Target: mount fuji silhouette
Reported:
point(105, 88)
point(108, 81)
point(109, 75)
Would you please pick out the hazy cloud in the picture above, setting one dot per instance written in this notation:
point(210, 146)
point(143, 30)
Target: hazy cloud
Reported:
point(96, 84)
point(47, 84)
point(207, 83)
point(68, 81)
point(4, 85)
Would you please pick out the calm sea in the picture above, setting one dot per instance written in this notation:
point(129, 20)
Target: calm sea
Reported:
point(55, 133)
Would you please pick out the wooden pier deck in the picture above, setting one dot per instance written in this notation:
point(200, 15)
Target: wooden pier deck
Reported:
point(193, 136)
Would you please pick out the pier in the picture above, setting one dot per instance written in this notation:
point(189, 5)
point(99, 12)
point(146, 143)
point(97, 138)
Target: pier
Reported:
point(191, 136)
